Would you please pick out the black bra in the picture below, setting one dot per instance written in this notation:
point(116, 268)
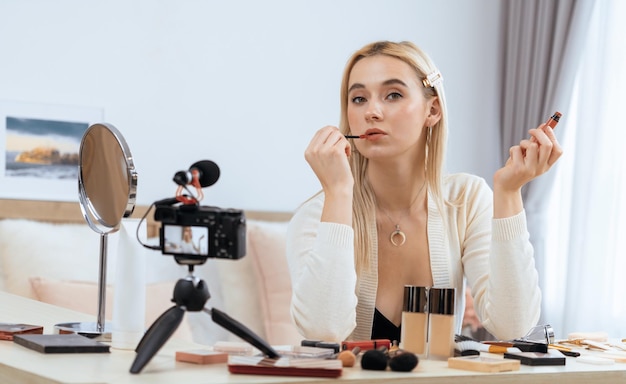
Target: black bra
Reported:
point(382, 328)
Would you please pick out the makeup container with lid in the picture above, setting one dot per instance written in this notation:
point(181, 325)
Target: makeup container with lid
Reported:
point(441, 322)
point(414, 332)
point(129, 298)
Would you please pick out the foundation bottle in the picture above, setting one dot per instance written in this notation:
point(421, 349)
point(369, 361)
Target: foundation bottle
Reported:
point(414, 331)
point(441, 321)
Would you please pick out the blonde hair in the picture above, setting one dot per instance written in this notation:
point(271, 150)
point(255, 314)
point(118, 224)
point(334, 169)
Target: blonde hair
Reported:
point(363, 206)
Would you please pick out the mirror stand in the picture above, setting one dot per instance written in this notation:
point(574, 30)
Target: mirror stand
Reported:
point(102, 282)
point(100, 330)
point(107, 187)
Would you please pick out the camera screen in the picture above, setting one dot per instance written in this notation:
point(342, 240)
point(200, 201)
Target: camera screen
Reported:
point(185, 240)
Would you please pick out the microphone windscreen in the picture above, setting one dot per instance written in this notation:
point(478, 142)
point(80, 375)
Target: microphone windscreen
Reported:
point(403, 362)
point(374, 360)
point(209, 172)
point(182, 178)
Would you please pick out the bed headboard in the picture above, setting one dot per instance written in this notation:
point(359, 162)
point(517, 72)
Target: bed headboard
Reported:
point(69, 212)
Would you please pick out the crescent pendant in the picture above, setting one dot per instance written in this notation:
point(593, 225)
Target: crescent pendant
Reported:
point(398, 238)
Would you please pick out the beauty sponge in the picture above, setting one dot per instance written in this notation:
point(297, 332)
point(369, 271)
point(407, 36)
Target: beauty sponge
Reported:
point(348, 358)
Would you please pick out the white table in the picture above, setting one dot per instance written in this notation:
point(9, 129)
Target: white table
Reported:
point(22, 365)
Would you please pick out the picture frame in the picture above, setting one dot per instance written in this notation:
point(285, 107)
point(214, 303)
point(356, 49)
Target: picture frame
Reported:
point(39, 145)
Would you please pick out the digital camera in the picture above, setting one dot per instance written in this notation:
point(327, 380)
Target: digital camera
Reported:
point(193, 233)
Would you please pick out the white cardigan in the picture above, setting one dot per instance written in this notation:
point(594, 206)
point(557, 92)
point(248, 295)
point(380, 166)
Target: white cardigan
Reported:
point(330, 302)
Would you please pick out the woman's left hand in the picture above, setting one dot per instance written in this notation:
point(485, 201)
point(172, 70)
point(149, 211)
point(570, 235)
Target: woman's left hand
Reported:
point(528, 160)
point(531, 158)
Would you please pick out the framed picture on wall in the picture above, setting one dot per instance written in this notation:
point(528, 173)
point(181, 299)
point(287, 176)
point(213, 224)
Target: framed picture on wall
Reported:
point(39, 145)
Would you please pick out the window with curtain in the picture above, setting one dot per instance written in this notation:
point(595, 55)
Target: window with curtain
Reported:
point(586, 234)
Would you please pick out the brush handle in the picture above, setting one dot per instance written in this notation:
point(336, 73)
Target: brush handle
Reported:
point(499, 343)
point(481, 346)
point(498, 349)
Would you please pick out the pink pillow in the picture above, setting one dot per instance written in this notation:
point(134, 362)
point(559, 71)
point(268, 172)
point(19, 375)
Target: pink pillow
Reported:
point(31, 248)
point(82, 296)
point(266, 249)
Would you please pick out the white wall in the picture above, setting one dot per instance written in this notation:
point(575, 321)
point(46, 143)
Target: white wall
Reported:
point(243, 83)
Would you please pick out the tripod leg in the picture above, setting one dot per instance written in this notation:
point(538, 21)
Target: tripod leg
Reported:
point(158, 333)
point(242, 331)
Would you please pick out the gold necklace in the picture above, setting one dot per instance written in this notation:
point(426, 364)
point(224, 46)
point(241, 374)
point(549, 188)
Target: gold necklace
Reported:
point(397, 231)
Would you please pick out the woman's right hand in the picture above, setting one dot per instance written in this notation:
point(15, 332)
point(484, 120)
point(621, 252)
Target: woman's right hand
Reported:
point(327, 154)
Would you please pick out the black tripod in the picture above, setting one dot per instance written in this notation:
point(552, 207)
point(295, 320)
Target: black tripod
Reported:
point(190, 294)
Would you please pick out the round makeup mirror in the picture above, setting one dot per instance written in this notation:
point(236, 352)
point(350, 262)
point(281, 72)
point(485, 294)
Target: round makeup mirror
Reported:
point(107, 181)
point(107, 190)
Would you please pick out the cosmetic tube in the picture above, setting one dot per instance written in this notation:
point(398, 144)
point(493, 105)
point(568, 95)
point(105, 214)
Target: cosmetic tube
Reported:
point(414, 332)
point(441, 322)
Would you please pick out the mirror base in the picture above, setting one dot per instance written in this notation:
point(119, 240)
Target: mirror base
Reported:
point(88, 329)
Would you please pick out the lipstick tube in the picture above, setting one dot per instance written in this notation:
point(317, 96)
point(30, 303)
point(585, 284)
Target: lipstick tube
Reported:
point(554, 120)
point(365, 345)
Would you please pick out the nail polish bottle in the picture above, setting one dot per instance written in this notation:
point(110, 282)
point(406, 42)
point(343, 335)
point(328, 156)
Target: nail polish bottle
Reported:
point(441, 321)
point(414, 332)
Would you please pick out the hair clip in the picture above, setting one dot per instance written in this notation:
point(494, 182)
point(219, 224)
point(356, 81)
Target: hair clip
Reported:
point(432, 79)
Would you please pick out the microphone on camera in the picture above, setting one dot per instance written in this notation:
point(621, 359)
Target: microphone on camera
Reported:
point(208, 174)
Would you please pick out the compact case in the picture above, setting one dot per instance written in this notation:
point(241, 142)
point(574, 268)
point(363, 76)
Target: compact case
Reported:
point(8, 330)
point(536, 358)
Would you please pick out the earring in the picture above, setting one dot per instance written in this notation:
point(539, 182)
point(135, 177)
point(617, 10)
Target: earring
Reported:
point(428, 136)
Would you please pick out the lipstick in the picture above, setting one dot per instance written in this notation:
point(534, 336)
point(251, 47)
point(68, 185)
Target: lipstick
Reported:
point(365, 345)
point(552, 122)
point(554, 119)
point(354, 136)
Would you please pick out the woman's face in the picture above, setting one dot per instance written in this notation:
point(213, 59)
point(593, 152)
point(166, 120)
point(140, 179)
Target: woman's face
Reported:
point(386, 103)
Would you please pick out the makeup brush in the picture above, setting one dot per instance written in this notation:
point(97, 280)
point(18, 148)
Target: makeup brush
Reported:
point(402, 361)
point(524, 346)
point(375, 359)
point(564, 350)
point(472, 345)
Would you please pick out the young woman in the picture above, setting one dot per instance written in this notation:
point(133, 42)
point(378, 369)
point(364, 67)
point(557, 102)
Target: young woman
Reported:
point(186, 242)
point(388, 215)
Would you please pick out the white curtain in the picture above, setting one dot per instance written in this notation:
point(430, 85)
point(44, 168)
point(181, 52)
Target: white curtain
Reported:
point(585, 236)
point(543, 48)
